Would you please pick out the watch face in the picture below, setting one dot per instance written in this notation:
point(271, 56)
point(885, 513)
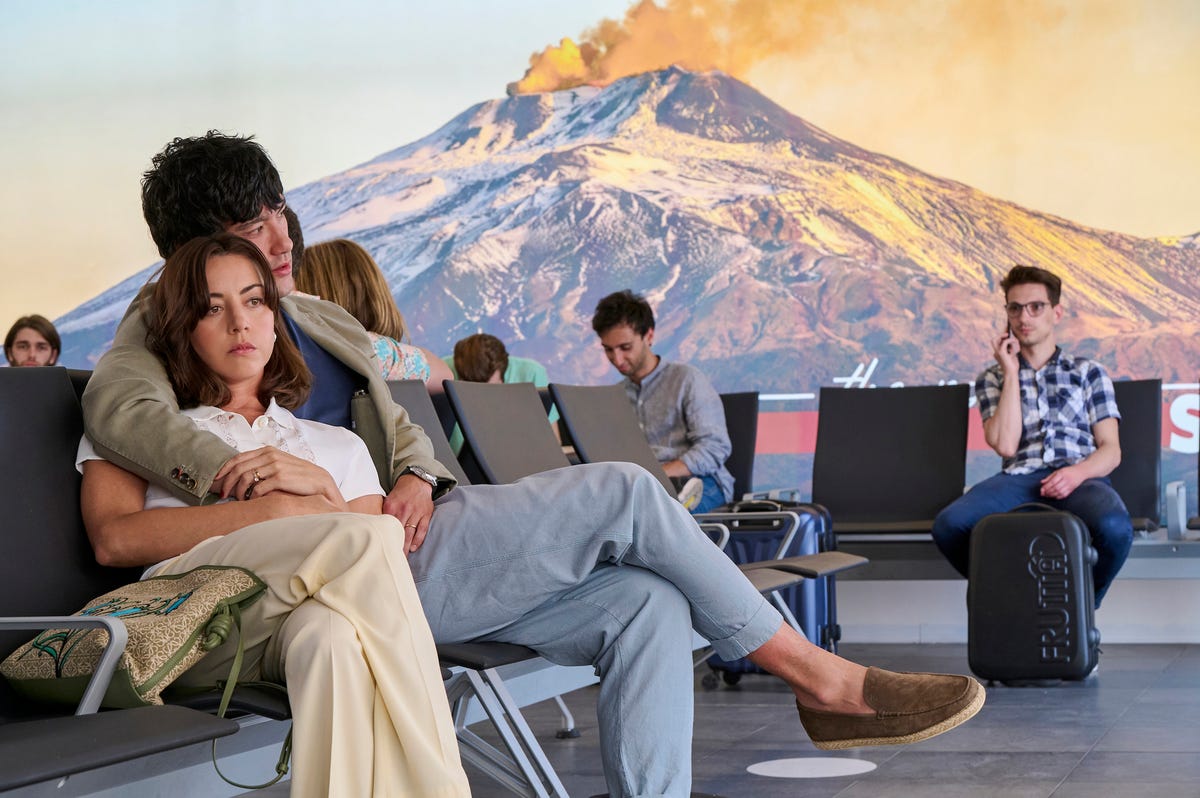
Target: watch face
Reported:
point(423, 474)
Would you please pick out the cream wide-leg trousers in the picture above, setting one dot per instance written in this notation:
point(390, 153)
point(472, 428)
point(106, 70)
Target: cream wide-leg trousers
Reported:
point(342, 626)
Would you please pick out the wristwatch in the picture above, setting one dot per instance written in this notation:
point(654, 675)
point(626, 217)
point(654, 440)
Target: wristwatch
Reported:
point(421, 473)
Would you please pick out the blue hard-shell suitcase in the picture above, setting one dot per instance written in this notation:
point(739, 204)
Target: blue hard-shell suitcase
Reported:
point(1030, 597)
point(812, 601)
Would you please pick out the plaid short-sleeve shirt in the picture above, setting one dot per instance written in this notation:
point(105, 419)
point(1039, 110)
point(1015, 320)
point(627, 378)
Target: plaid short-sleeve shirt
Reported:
point(1060, 403)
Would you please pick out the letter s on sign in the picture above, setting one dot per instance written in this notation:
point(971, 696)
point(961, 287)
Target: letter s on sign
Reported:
point(1185, 423)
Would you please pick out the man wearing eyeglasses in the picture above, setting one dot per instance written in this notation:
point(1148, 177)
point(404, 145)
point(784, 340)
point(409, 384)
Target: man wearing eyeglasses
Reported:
point(1053, 419)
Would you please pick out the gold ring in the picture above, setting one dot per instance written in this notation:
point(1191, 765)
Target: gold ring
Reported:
point(410, 526)
point(257, 478)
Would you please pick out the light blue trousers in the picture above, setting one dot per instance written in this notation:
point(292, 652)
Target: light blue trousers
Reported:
point(595, 564)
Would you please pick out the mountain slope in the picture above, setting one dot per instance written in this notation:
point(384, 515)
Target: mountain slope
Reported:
point(778, 256)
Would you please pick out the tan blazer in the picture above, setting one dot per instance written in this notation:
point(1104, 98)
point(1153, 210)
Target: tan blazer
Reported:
point(131, 415)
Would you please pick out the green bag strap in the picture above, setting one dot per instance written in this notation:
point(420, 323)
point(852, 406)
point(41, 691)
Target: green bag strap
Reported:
point(216, 633)
point(281, 766)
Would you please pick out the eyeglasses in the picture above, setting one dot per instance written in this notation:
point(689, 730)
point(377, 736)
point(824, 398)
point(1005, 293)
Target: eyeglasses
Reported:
point(1015, 309)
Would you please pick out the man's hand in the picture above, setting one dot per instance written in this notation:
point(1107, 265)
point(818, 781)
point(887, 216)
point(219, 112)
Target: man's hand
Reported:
point(676, 468)
point(1005, 349)
point(411, 502)
point(1062, 482)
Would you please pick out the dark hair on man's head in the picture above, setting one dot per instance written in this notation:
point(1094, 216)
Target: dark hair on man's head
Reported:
point(1022, 275)
point(297, 236)
point(180, 299)
point(623, 307)
point(198, 186)
point(40, 325)
point(477, 357)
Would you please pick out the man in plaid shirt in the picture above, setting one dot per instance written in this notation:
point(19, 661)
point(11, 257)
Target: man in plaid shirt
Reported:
point(1053, 419)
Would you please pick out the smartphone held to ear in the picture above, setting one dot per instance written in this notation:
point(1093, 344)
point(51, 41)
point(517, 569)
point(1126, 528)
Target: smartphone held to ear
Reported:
point(1009, 340)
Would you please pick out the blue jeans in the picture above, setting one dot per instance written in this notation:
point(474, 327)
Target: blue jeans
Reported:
point(1094, 501)
point(595, 565)
point(712, 498)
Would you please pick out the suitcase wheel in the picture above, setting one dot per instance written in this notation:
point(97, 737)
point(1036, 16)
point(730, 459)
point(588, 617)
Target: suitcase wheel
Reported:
point(1031, 682)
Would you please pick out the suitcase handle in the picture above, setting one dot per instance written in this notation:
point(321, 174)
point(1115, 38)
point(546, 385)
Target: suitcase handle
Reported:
point(756, 506)
point(1029, 507)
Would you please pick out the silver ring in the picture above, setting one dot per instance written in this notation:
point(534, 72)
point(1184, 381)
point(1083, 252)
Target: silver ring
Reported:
point(410, 526)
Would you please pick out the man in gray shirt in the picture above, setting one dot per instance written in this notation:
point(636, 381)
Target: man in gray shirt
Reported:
point(678, 408)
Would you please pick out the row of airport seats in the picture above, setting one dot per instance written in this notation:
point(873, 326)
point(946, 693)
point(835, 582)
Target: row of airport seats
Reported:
point(507, 436)
point(865, 438)
point(888, 460)
point(741, 419)
point(49, 571)
point(881, 454)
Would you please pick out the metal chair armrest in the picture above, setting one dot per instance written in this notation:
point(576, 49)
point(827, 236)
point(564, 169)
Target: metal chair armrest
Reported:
point(118, 637)
point(719, 533)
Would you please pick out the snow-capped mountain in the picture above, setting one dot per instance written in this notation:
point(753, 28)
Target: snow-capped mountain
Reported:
point(777, 255)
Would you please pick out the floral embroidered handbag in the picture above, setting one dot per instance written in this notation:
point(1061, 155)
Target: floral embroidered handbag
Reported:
point(172, 621)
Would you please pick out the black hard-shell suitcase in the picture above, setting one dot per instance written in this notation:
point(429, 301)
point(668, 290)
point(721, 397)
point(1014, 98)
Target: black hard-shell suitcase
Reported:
point(1030, 597)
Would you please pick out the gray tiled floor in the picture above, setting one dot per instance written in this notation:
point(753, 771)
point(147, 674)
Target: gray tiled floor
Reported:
point(1131, 730)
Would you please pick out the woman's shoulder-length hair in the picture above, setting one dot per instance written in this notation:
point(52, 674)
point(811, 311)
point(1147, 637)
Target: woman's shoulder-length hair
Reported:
point(180, 299)
point(343, 272)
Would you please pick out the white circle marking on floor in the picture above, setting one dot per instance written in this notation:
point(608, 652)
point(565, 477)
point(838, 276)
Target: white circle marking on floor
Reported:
point(813, 767)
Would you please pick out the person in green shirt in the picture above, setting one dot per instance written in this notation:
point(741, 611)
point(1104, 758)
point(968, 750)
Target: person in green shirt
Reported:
point(483, 358)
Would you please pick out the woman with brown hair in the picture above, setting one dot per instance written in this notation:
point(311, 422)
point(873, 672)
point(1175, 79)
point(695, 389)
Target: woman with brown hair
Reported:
point(343, 272)
point(341, 624)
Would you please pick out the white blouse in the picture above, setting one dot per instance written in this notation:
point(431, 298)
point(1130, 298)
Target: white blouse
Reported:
point(339, 451)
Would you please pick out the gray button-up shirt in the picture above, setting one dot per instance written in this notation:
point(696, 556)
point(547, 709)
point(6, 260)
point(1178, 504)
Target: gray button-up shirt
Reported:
point(683, 419)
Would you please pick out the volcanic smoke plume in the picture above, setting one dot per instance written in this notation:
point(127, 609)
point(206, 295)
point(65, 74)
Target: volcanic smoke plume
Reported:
point(736, 36)
point(699, 35)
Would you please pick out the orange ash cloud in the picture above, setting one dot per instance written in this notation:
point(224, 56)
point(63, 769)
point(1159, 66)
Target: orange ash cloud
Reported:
point(730, 35)
point(735, 36)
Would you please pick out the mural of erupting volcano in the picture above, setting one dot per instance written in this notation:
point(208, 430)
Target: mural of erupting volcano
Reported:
point(778, 256)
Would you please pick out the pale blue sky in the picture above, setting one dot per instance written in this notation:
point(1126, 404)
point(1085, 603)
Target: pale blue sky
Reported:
point(89, 91)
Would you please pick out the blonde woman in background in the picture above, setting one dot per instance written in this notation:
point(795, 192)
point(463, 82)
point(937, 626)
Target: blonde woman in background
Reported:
point(343, 272)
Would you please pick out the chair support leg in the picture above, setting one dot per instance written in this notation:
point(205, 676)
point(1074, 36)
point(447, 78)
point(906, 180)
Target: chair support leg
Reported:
point(525, 770)
point(567, 731)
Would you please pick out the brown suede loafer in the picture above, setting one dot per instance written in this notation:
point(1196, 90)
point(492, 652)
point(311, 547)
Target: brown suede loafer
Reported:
point(909, 707)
